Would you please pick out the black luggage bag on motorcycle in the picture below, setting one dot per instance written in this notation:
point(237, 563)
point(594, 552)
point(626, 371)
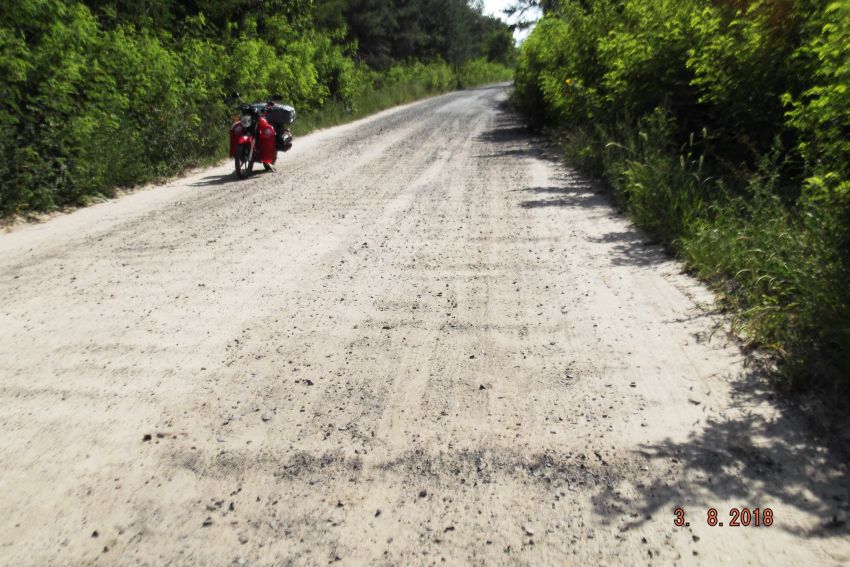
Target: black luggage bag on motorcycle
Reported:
point(281, 117)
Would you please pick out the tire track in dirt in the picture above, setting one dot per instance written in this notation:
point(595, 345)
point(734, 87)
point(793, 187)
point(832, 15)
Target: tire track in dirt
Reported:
point(423, 340)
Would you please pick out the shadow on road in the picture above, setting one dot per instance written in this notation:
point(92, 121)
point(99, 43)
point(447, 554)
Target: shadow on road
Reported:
point(216, 180)
point(632, 248)
point(754, 461)
point(512, 138)
point(570, 194)
point(781, 461)
point(229, 177)
point(624, 248)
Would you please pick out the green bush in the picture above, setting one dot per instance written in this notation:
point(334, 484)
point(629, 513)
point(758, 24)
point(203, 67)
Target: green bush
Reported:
point(397, 85)
point(783, 275)
point(724, 130)
point(663, 191)
point(481, 71)
point(558, 70)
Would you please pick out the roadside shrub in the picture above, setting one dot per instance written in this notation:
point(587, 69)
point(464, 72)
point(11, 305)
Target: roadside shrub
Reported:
point(480, 71)
point(781, 273)
point(742, 63)
point(42, 83)
point(663, 190)
point(558, 71)
point(644, 56)
point(724, 130)
point(821, 113)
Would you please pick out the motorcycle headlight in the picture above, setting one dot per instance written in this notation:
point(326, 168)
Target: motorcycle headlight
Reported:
point(246, 120)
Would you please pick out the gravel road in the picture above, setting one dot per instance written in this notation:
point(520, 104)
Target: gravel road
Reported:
point(422, 341)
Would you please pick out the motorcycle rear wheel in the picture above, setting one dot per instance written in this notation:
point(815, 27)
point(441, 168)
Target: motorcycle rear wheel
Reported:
point(243, 161)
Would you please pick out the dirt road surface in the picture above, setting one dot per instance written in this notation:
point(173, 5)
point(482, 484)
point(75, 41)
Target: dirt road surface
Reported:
point(422, 341)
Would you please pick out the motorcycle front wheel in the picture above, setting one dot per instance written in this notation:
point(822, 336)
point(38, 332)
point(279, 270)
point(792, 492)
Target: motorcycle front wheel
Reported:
point(243, 161)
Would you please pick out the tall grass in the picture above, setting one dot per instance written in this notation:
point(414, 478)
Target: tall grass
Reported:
point(722, 128)
point(778, 270)
point(781, 273)
point(662, 190)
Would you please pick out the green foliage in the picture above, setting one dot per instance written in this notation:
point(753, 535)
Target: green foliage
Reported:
point(648, 46)
point(724, 130)
point(400, 84)
point(479, 71)
point(662, 191)
point(108, 93)
point(557, 74)
point(390, 31)
point(783, 274)
point(821, 113)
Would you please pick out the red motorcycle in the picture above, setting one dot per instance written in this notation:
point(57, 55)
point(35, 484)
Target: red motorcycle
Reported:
point(261, 131)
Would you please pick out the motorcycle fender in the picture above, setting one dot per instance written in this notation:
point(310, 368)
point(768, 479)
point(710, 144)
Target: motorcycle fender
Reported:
point(235, 133)
point(267, 145)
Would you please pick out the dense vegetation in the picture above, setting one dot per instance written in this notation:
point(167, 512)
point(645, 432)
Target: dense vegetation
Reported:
point(106, 93)
point(723, 127)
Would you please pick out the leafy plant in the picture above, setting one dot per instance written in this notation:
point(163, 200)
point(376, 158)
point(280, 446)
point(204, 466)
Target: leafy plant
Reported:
point(724, 130)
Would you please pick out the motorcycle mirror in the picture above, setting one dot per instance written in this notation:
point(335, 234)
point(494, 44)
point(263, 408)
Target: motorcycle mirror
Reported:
point(277, 97)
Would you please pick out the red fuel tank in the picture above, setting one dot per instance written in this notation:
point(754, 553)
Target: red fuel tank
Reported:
point(267, 146)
